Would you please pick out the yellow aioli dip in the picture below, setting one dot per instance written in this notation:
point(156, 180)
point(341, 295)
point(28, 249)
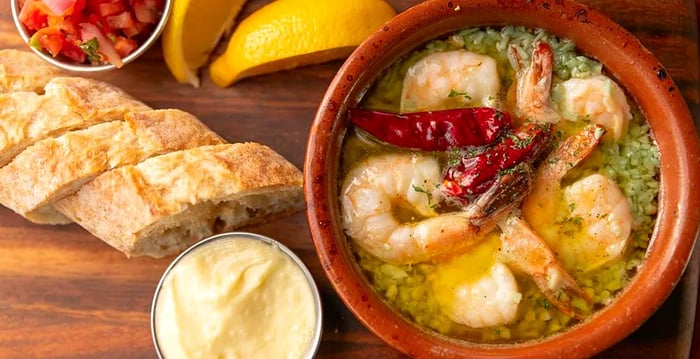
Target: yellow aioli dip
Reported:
point(236, 297)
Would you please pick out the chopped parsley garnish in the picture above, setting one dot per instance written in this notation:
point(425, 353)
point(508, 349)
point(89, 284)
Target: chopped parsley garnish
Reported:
point(578, 220)
point(520, 143)
point(507, 171)
point(90, 48)
point(454, 157)
point(420, 190)
point(428, 194)
point(455, 93)
point(544, 303)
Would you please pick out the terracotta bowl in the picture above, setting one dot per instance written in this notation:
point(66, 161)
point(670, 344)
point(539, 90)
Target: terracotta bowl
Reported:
point(595, 35)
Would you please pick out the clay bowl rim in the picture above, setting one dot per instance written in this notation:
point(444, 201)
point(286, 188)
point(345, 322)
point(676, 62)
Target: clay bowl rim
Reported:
point(647, 81)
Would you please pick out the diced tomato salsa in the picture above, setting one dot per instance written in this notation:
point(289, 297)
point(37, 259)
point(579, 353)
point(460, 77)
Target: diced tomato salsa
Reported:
point(90, 31)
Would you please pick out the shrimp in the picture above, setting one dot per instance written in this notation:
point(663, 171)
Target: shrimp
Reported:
point(382, 189)
point(523, 249)
point(388, 206)
point(607, 221)
point(596, 98)
point(543, 202)
point(489, 301)
point(533, 85)
point(451, 79)
point(594, 202)
point(487, 295)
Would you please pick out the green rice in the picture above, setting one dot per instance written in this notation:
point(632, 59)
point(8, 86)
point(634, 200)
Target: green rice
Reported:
point(632, 162)
point(386, 93)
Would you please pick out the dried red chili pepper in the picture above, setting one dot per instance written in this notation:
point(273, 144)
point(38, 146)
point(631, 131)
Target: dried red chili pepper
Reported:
point(434, 130)
point(474, 174)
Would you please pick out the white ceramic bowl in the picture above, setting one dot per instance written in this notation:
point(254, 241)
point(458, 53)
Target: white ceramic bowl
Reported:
point(233, 236)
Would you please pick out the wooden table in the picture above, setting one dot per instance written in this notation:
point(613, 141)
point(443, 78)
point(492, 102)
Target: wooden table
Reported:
point(65, 294)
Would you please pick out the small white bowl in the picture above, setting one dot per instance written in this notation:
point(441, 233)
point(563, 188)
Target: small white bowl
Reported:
point(315, 339)
point(70, 66)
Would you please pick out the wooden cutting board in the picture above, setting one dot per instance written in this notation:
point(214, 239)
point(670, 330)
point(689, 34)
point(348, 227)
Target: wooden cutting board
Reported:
point(65, 294)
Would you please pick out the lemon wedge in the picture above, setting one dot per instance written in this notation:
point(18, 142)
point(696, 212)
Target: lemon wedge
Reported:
point(290, 33)
point(193, 30)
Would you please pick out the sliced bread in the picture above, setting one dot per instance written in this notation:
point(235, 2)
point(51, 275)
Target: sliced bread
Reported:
point(54, 168)
point(68, 103)
point(162, 205)
point(24, 71)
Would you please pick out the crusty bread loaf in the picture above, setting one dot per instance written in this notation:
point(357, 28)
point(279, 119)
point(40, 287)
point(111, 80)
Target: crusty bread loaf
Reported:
point(147, 182)
point(68, 103)
point(162, 205)
point(24, 71)
point(54, 168)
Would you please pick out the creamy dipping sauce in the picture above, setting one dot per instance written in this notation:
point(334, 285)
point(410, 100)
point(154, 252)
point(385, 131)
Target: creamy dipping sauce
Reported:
point(236, 297)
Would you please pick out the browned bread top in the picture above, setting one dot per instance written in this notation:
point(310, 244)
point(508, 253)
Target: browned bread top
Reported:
point(24, 71)
point(147, 182)
point(163, 204)
point(69, 103)
point(54, 168)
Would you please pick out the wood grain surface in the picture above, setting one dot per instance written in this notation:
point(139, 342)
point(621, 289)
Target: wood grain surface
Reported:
point(65, 294)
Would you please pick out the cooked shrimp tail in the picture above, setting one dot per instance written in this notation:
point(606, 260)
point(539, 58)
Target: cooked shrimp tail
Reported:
point(573, 150)
point(566, 287)
point(544, 199)
point(534, 84)
point(525, 251)
point(506, 193)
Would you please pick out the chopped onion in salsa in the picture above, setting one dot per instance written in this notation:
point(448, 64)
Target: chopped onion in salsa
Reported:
point(90, 31)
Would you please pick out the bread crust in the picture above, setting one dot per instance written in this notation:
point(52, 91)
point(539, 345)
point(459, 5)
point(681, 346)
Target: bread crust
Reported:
point(24, 71)
point(68, 103)
point(162, 205)
point(147, 182)
point(54, 168)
